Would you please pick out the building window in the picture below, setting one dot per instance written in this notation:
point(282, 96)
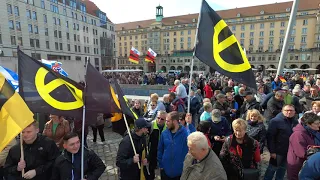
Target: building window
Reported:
point(261, 25)
point(68, 36)
point(36, 31)
point(68, 46)
point(45, 18)
point(30, 28)
point(37, 43)
point(251, 34)
point(79, 49)
point(46, 32)
point(272, 25)
point(283, 24)
point(305, 22)
point(20, 43)
point(292, 39)
point(11, 25)
point(270, 49)
point(61, 47)
point(281, 40)
point(56, 45)
point(261, 42)
point(242, 35)
point(55, 20)
point(251, 42)
point(270, 40)
point(60, 35)
point(293, 32)
point(242, 42)
point(13, 40)
point(47, 45)
point(271, 33)
point(282, 32)
point(304, 30)
point(55, 33)
point(31, 43)
point(189, 32)
point(28, 14)
point(243, 27)
point(18, 26)
point(181, 33)
point(234, 28)
point(182, 39)
point(9, 8)
point(58, 21)
point(252, 26)
point(16, 11)
point(43, 4)
point(303, 39)
point(75, 48)
point(34, 15)
point(261, 33)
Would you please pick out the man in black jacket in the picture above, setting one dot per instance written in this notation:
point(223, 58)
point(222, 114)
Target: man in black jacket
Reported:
point(250, 103)
point(157, 127)
point(279, 132)
point(127, 160)
point(39, 155)
point(68, 164)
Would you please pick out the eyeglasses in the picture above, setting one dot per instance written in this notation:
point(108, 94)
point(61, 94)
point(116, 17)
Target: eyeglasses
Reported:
point(289, 110)
point(153, 105)
point(160, 118)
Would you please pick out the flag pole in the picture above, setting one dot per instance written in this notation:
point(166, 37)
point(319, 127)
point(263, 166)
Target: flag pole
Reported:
point(193, 55)
point(22, 152)
point(129, 132)
point(284, 51)
point(83, 125)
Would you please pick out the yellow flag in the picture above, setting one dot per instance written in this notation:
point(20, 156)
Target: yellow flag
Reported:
point(14, 113)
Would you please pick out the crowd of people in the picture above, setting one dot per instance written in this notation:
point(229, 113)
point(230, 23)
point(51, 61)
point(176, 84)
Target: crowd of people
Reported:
point(229, 126)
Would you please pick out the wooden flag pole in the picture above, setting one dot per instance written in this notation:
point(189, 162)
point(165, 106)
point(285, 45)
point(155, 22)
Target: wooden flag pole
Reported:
point(129, 132)
point(22, 152)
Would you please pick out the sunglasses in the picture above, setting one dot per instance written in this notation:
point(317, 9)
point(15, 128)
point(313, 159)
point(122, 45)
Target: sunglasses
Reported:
point(161, 118)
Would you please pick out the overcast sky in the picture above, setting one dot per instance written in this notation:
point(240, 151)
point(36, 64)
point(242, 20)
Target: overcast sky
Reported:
point(120, 11)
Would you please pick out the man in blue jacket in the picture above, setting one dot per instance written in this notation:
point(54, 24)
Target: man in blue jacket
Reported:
point(172, 148)
point(279, 132)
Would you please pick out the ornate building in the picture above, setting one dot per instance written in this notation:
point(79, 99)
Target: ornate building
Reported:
point(259, 29)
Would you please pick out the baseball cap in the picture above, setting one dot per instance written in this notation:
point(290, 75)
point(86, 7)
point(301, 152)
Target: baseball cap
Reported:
point(142, 123)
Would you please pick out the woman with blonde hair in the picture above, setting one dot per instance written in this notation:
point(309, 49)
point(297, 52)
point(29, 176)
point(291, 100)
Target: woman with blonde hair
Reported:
point(256, 128)
point(240, 153)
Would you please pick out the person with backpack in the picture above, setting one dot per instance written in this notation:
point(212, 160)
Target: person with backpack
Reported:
point(304, 134)
point(177, 104)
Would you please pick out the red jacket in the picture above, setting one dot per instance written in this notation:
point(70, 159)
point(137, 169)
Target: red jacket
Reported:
point(208, 90)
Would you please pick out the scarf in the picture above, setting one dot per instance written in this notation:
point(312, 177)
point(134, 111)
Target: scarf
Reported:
point(315, 134)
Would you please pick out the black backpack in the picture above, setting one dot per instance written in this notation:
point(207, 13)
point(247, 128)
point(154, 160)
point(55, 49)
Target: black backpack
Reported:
point(311, 150)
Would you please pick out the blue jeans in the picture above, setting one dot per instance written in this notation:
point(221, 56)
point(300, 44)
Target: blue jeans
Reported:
point(279, 170)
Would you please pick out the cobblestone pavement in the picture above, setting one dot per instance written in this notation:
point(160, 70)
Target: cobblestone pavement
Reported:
point(108, 152)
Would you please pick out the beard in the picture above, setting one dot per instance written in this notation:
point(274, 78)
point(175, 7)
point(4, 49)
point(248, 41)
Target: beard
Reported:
point(171, 127)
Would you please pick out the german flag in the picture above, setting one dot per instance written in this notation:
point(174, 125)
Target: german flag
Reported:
point(218, 48)
point(282, 79)
point(46, 91)
point(151, 56)
point(14, 113)
point(134, 55)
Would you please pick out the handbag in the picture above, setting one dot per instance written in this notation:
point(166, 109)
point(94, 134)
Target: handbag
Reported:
point(251, 174)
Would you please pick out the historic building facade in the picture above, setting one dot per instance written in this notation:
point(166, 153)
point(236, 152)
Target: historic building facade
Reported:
point(57, 30)
point(259, 29)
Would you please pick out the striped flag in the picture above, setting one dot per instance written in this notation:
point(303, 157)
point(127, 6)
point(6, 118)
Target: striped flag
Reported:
point(11, 77)
point(134, 55)
point(151, 56)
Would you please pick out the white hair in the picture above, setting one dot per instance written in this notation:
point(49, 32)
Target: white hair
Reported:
point(177, 82)
point(198, 139)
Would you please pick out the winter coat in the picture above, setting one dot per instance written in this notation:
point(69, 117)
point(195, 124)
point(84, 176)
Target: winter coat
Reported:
point(128, 169)
point(172, 151)
point(278, 134)
point(203, 169)
point(257, 131)
point(153, 144)
point(40, 155)
point(298, 143)
point(63, 166)
point(311, 170)
point(274, 107)
point(178, 105)
point(208, 91)
point(63, 128)
point(236, 157)
point(253, 104)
